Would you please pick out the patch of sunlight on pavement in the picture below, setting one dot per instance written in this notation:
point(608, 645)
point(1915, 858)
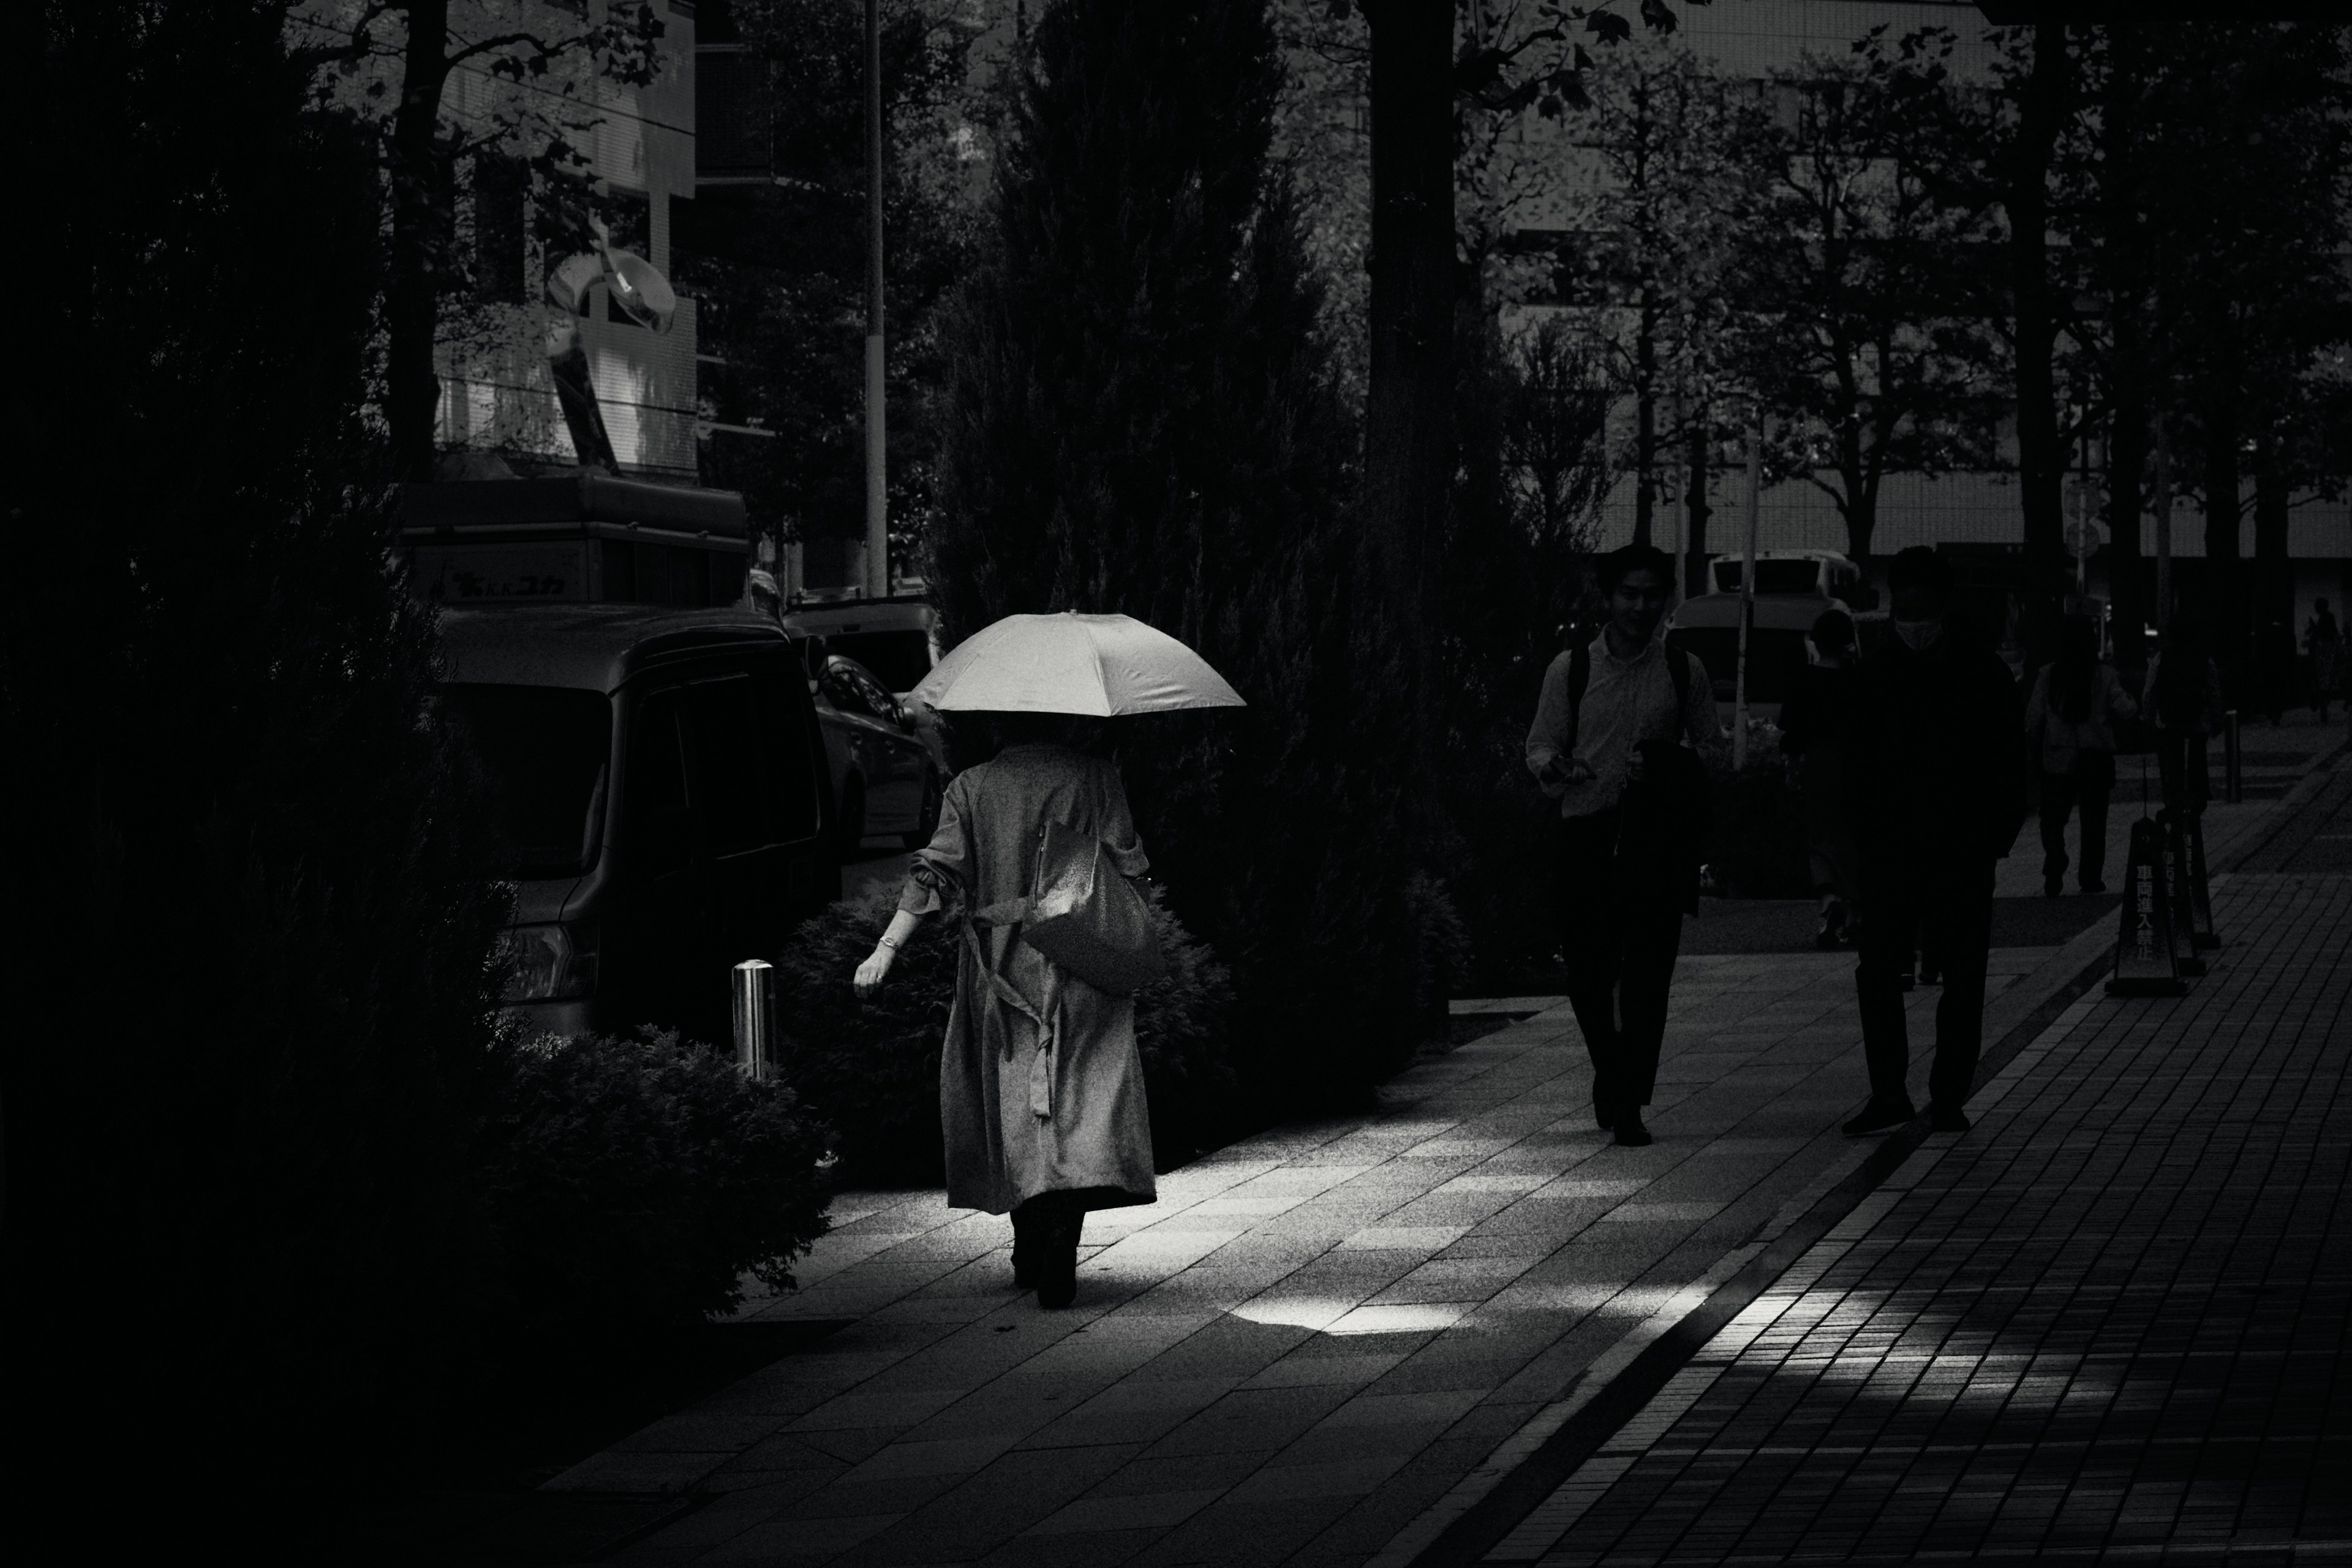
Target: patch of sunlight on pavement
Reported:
point(1337, 1315)
point(1316, 1312)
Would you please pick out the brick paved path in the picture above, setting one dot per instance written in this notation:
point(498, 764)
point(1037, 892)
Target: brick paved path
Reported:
point(2112, 1319)
point(1324, 1345)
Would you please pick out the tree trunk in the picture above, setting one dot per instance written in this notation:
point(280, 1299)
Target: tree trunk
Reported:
point(2041, 451)
point(421, 217)
point(2274, 572)
point(1408, 400)
point(1645, 419)
point(1695, 494)
point(2122, 176)
point(2224, 609)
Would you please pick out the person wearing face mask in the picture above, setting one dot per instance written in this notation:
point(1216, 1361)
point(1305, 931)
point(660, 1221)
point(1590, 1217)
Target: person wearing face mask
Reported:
point(1940, 796)
point(1618, 737)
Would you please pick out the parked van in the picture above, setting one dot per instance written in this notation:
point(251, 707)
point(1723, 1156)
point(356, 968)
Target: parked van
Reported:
point(664, 790)
point(1707, 627)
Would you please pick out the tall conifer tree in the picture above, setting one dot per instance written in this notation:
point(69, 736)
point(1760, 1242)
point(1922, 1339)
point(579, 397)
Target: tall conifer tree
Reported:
point(1144, 422)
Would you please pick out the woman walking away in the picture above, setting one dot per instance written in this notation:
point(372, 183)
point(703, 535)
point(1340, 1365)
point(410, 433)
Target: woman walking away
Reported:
point(1041, 1085)
point(2184, 698)
point(1817, 731)
point(2324, 640)
point(2071, 717)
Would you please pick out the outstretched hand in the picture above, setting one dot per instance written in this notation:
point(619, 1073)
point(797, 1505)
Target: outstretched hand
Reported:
point(871, 972)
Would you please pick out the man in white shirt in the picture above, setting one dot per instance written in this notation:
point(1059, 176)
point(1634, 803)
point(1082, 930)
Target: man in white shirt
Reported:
point(1622, 891)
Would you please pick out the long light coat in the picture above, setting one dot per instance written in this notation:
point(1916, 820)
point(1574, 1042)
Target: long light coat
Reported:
point(1028, 1111)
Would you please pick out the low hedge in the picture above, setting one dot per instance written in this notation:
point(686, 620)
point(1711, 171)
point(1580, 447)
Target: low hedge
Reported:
point(872, 1069)
point(629, 1183)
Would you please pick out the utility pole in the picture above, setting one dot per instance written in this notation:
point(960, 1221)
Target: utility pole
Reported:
point(1747, 587)
point(878, 490)
point(2163, 526)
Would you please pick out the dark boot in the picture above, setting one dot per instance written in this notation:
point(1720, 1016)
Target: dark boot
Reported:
point(1057, 1263)
point(1027, 1246)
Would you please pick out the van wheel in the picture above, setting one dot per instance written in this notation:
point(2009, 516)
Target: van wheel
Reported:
point(926, 820)
point(851, 823)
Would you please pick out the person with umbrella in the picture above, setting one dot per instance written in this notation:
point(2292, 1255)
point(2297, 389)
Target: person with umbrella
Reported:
point(1041, 1083)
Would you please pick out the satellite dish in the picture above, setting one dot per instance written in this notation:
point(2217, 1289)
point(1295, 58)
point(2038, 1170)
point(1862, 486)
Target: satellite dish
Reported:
point(639, 293)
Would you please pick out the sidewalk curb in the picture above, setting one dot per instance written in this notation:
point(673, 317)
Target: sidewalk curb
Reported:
point(1466, 1525)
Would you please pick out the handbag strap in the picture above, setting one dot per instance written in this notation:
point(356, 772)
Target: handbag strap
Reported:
point(1004, 988)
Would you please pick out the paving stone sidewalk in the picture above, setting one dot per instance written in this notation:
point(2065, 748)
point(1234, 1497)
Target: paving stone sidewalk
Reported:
point(2111, 1321)
point(1321, 1343)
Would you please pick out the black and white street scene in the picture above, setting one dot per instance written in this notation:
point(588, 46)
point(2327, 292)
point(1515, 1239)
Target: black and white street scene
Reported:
point(1179, 784)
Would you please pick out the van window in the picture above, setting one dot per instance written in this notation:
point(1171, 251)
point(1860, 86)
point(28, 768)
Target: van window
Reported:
point(783, 722)
point(734, 766)
point(546, 750)
point(1775, 658)
point(753, 779)
point(660, 828)
point(899, 659)
point(1771, 576)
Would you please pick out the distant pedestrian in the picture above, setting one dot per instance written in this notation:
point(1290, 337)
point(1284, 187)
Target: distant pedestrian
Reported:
point(1941, 785)
point(2324, 641)
point(1817, 731)
point(2183, 697)
point(2070, 718)
point(1618, 738)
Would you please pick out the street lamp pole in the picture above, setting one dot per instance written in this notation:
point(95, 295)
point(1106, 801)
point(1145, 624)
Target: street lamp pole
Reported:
point(1747, 587)
point(878, 492)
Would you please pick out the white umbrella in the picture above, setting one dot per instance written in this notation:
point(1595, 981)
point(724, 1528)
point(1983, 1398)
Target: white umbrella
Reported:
point(1096, 665)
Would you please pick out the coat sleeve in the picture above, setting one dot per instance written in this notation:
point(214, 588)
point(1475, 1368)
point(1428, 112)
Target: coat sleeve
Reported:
point(2037, 706)
point(2119, 698)
point(1548, 736)
point(936, 876)
point(1702, 723)
point(2009, 799)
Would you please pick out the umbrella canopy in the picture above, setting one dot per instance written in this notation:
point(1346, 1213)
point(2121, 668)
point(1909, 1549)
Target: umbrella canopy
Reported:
point(1096, 666)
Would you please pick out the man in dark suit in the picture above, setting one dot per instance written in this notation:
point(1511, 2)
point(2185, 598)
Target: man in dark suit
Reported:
point(1940, 785)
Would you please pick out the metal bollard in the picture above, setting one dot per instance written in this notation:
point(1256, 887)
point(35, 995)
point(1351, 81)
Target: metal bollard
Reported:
point(2234, 787)
point(754, 984)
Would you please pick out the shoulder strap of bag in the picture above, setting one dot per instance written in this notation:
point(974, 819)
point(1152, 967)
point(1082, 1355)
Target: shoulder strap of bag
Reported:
point(1678, 666)
point(997, 983)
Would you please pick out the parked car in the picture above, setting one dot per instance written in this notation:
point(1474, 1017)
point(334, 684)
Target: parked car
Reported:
point(897, 641)
point(662, 781)
point(886, 782)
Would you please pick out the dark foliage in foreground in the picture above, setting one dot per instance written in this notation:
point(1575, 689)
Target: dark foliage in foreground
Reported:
point(629, 1183)
point(248, 918)
point(872, 1069)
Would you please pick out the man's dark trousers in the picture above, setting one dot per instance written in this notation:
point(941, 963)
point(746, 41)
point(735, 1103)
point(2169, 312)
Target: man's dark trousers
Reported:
point(1948, 901)
point(2086, 787)
point(1621, 923)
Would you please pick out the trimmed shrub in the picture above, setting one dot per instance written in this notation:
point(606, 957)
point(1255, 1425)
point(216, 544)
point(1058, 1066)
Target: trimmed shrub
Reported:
point(631, 1182)
point(1144, 418)
point(872, 1069)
